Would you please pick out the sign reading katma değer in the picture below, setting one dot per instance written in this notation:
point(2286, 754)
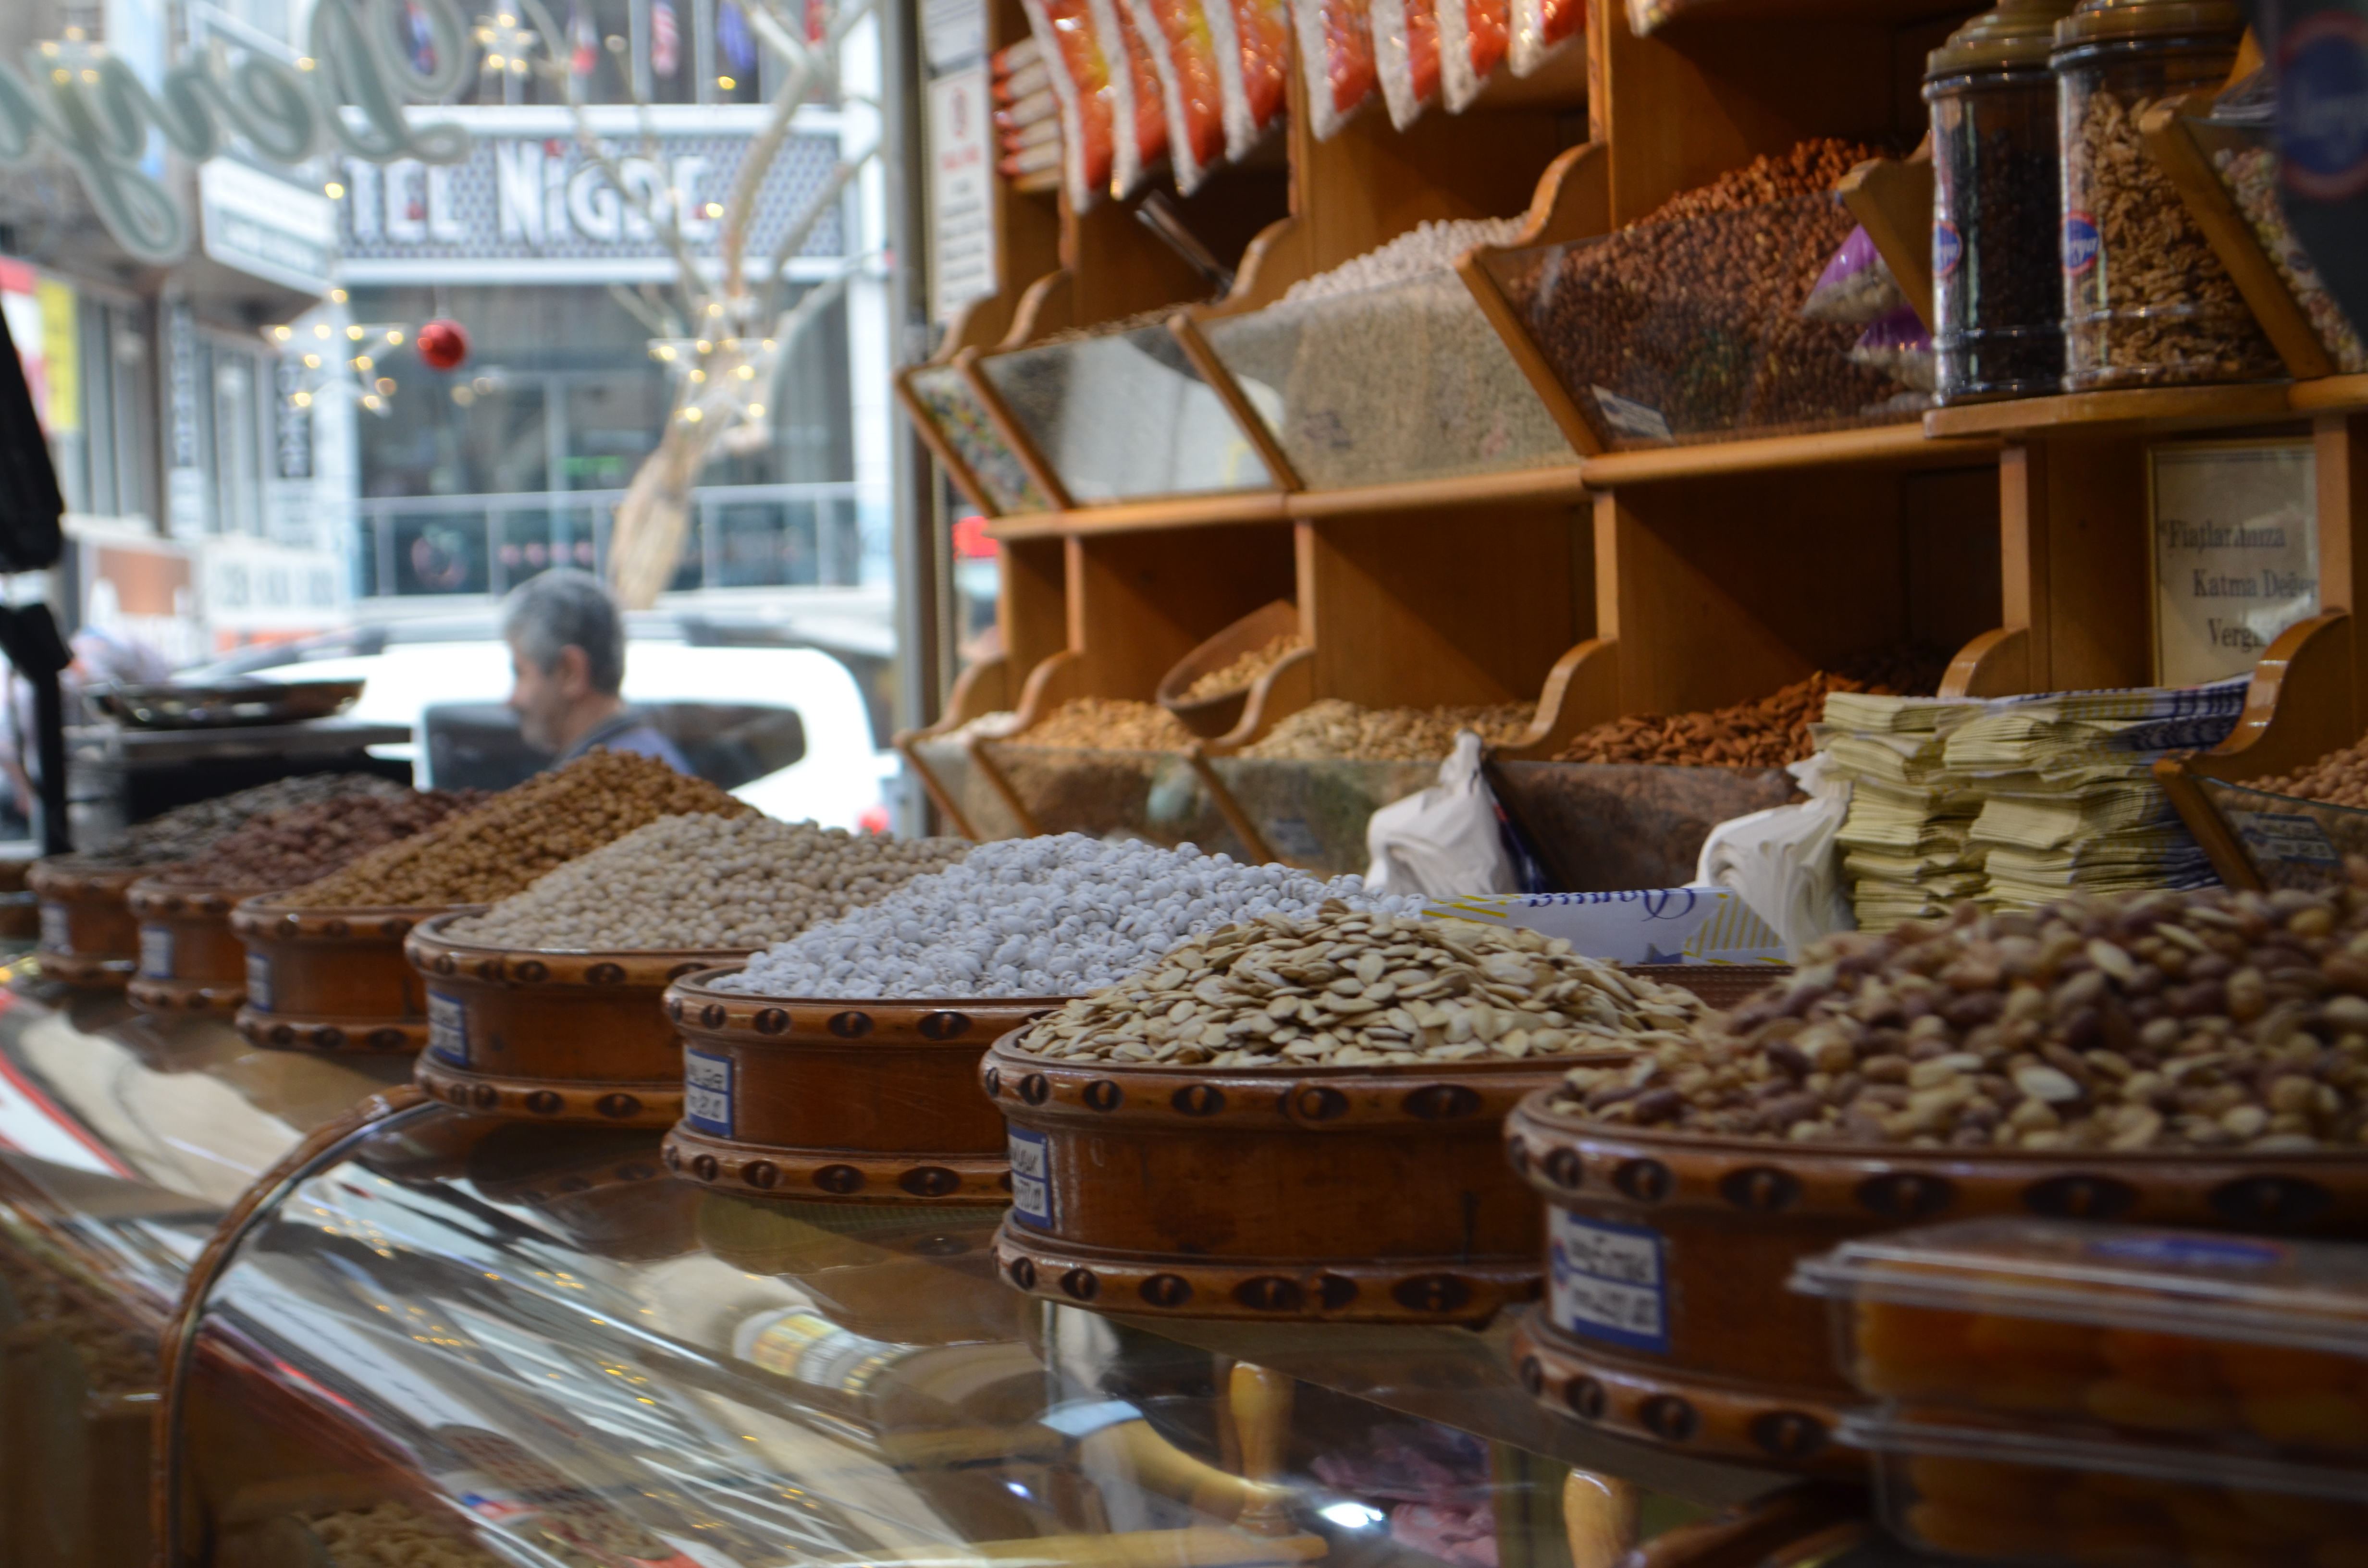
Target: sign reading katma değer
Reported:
point(2235, 553)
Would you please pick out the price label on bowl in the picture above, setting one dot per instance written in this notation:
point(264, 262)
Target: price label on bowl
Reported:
point(57, 928)
point(448, 1029)
point(707, 1091)
point(259, 982)
point(1032, 1178)
point(1606, 1281)
point(155, 952)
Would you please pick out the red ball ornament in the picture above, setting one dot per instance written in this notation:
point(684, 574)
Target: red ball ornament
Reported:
point(443, 343)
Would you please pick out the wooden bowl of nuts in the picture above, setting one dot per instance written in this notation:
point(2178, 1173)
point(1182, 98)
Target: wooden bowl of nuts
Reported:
point(1209, 686)
point(1301, 1121)
point(330, 979)
point(545, 1035)
point(858, 1100)
point(88, 936)
point(2189, 1060)
point(190, 961)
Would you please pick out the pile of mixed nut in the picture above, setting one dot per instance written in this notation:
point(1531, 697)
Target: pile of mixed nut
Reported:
point(1350, 987)
point(2161, 1021)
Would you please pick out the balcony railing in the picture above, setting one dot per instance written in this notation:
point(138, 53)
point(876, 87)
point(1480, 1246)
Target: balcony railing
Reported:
point(741, 536)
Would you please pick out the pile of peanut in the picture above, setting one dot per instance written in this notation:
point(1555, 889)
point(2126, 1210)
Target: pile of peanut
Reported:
point(1108, 724)
point(484, 856)
point(2339, 778)
point(2163, 1020)
point(1354, 987)
point(1334, 731)
point(1245, 671)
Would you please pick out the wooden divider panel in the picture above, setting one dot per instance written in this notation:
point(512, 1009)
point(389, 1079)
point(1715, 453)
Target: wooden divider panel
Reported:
point(1447, 606)
point(1138, 602)
point(2078, 568)
point(1033, 605)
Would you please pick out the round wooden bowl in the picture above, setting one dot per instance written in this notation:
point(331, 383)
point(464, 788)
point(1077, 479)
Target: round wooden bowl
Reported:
point(330, 979)
point(538, 1036)
point(859, 1100)
point(1733, 1365)
point(88, 936)
point(190, 961)
point(1338, 1193)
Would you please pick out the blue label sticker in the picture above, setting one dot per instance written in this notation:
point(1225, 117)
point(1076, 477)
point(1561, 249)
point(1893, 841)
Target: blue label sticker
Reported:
point(707, 1091)
point(259, 982)
point(2323, 106)
point(1948, 249)
point(1032, 1178)
point(2081, 243)
point(447, 1029)
point(1609, 1281)
point(2191, 1252)
point(155, 952)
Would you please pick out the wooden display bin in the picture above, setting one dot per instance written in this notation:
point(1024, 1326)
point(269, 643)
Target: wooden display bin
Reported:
point(88, 936)
point(331, 980)
point(190, 961)
point(849, 1099)
point(1743, 1369)
point(560, 1036)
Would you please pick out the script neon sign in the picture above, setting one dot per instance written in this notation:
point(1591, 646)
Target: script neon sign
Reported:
point(348, 93)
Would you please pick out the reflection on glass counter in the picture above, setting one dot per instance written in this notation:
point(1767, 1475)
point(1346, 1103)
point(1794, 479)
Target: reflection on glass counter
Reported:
point(534, 1342)
point(1123, 416)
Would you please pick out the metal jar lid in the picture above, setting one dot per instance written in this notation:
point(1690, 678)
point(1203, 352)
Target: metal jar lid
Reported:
point(2013, 33)
point(2096, 21)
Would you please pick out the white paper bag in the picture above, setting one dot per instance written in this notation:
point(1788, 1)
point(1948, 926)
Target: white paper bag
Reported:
point(1785, 862)
point(1444, 840)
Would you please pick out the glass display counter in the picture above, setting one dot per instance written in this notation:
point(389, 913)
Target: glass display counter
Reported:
point(433, 1339)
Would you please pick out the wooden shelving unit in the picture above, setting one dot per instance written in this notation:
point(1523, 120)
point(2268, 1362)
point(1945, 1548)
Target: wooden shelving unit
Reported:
point(1659, 580)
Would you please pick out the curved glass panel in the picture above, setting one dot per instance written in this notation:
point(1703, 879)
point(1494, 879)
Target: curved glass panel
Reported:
point(528, 1343)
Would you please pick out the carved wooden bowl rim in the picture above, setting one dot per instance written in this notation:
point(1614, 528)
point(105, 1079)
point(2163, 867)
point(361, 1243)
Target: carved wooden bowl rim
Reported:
point(1447, 1096)
point(151, 896)
point(186, 996)
point(105, 971)
point(65, 877)
point(439, 957)
point(366, 1037)
point(798, 1023)
point(1677, 1408)
point(1576, 1162)
point(259, 919)
point(649, 1104)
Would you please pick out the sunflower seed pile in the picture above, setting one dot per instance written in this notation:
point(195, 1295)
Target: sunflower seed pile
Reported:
point(1349, 987)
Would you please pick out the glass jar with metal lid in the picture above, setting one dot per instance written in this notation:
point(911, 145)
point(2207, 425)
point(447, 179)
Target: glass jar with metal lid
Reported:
point(2145, 300)
point(1997, 291)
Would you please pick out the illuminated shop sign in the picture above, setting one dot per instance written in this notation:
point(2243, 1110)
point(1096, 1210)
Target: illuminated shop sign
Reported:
point(347, 95)
point(530, 204)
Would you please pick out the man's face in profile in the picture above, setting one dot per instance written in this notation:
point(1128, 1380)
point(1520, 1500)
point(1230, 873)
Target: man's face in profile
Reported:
point(539, 698)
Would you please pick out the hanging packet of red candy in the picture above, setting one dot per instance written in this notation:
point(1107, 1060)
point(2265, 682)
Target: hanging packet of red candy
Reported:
point(1472, 38)
point(1253, 38)
point(1184, 51)
point(1081, 82)
point(1138, 115)
point(1540, 28)
point(1336, 53)
point(1405, 55)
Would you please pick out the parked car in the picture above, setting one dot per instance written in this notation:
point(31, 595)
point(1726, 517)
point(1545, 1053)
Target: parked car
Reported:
point(786, 729)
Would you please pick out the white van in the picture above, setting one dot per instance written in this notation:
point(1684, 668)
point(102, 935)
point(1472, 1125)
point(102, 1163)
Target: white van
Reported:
point(785, 729)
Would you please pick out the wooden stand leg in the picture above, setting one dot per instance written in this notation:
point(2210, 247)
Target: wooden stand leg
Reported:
point(1253, 842)
point(1599, 1512)
point(1260, 1403)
